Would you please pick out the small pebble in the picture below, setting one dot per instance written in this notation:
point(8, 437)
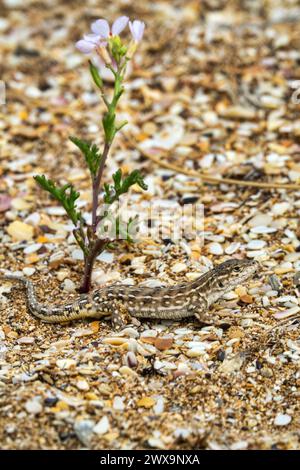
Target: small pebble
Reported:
point(280, 208)
point(34, 406)
point(69, 285)
point(20, 231)
point(178, 267)
point(32, 248)
point(77, 254)
point(118, 403)
point(260, 220)
point(28, 271)
point(232, 248)
point(131, 360)
point(261, 229)
point(256, 244)
point(83, 385)
point(26, 340)
point(282, 420)
point(287, 313)
point(106, 257)
point(102, 427)
point(84, 431)
point(215, 249)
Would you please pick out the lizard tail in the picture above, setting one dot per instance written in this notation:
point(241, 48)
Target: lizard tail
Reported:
point(39, 310)
point(54, 314)
point(34, 306)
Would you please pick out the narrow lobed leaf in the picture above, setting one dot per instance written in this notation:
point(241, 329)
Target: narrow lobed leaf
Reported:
point(90, 152)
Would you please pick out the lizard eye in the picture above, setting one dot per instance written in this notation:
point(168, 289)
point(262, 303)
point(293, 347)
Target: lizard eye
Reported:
point(237, 269)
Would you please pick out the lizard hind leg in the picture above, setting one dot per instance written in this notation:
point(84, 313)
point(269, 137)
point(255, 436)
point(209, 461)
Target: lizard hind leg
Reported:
point(120, 316)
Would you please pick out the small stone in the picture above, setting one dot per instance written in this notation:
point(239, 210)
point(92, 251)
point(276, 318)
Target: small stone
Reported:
point(102, 427)
point(158, 408)
point(106, 257)
point(83, 385)
point(28, 271)
point(237, 112)
point(62, 274)
point(80, 332)
point(192, 276)
point(280, 208)
point(5, 202)
point(69, 285)
point(240, 445)
point(77, 254)
point(287, 313)
point(232, 365)
point(118, 403)
point(232, 248)
point(32, 248)
point(84, 431)
point(20, 204)
point(131, 359)
point(26, 340)
point(34, 406)
point(282, 419)
point(246, 299)
point(256, 244)
point(146, 402)
point(255, 253)
point(261, 229)
point(56, 259)
point(195, 351)
point(178, 267)
point(215, 248)
point(126, 371)
point(20, 231)
point(131, 332)
point(115, 341)
point(32, 259)
point(163, 343)
point(284, 268)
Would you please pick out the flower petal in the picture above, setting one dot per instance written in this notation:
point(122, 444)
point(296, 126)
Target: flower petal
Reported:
point(85, 46)
point(119, 24)
point(101, 27)
point(137, 29)
point(94, 38)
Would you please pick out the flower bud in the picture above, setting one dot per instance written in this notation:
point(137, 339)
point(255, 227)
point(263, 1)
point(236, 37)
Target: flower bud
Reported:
point(131, 49)
point(104, 55)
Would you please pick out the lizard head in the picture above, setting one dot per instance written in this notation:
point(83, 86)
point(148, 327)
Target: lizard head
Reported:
point(230, 274)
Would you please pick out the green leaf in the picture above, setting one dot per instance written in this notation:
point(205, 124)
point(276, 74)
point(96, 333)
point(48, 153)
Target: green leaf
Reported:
point(66, 195)
point(95, 75)
point(112, 193)
point(135, 177)
point(90, 152)
point(117, 177)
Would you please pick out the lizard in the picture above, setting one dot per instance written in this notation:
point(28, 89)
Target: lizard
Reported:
point(176, 302)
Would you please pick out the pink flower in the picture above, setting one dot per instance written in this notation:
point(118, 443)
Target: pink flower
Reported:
point(89, 43)
point(137, 29)
point(101, 27)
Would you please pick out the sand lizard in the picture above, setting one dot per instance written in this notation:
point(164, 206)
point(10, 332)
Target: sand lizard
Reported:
point(165, 303)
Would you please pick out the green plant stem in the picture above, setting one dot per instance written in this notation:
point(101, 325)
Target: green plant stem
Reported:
point(118, 90)
point(96, 186)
